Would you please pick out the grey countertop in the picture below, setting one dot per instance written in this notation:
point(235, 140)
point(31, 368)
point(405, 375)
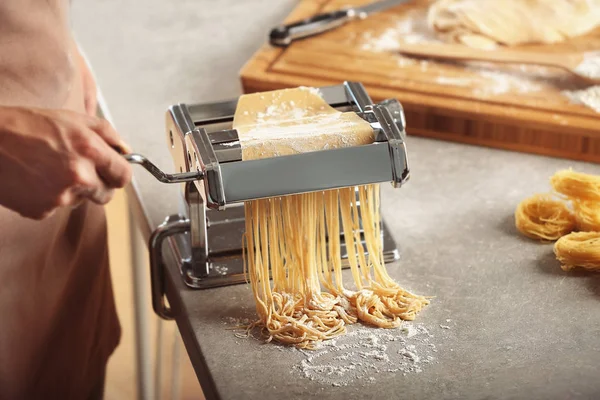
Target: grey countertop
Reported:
point(519, 327)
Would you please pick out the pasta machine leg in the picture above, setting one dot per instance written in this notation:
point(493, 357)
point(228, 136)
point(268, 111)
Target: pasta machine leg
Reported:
point(174, 224)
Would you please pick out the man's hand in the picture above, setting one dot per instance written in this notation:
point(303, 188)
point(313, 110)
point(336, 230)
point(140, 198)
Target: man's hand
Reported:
point(55, 158)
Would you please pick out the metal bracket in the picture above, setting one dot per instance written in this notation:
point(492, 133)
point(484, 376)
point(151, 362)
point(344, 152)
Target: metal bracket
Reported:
point(391, 120)
point(173, 225)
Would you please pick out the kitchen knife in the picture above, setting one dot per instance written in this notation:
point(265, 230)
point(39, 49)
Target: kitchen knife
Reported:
point(283, 35)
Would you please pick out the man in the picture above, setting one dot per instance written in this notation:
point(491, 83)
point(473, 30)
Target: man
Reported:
point(58, 324)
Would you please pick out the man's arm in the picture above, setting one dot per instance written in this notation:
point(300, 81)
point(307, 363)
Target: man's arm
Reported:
point(50, 157)
point(90, 100)
point(37, 63)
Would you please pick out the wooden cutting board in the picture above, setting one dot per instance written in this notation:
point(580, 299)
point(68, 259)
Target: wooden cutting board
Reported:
point(516, 108)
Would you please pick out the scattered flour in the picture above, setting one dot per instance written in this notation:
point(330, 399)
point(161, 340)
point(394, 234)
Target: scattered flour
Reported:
point(590, 66)
point(365, 353)
point(410, 29)
point(220, 269)
point(237, 322)
point(446, 80)
point(409, 329)
point(487, 79)
point(589, 97)
point(498, 82)
point(361, 355)
point(488, 82)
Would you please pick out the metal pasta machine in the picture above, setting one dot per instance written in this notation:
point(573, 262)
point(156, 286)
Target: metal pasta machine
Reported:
point(207, 240)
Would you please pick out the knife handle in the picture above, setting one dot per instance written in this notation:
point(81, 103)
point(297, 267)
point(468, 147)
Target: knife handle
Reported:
point(283, 35)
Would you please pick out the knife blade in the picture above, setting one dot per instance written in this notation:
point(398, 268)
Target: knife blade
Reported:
point(283, 35)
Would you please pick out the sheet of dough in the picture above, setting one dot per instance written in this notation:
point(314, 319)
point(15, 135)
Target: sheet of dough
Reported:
point(291, 121)
point(487, 23)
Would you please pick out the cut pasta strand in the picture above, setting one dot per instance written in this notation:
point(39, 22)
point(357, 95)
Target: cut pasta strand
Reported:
point(293, 309)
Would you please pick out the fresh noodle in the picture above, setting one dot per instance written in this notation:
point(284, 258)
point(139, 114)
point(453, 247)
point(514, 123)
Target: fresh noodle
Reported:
point(296, 240)
point(286, 236)
point(579, 249)
point(543, 217)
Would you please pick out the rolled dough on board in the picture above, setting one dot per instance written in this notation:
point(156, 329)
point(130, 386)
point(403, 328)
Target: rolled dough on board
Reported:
point(487, 23)
point(292, 121)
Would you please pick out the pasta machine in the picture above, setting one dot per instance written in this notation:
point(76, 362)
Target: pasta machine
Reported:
point(207, 237)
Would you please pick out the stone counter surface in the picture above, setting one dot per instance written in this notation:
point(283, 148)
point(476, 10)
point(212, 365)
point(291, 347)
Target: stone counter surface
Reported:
point(506, 322)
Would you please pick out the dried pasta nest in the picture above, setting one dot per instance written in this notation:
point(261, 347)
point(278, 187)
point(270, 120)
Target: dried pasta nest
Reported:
point(579, 249)
point(577, 185)
point(588, 215)
point(547, 217)
point(542, 216)
point(584, 191)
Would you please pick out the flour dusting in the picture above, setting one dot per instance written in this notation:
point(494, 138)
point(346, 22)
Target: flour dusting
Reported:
point(483, 79)
point(360, 356)
point(237, 322)
point(488, 82)
point(220, 269)
point(499, 82)
point(590, 66)
point(365, 353)
point(410, 29)
point(589, 97)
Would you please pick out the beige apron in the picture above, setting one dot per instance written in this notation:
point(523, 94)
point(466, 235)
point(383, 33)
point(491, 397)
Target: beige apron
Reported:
point(58, 323)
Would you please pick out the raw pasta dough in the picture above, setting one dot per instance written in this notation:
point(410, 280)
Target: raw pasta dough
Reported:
point(486, 23)
point(296, 238)
point(291, 121)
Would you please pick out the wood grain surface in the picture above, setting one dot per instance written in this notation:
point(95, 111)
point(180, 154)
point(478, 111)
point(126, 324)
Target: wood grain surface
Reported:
point(509, 107)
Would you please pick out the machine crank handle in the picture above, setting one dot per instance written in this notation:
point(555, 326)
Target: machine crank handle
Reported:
point(163, 177)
